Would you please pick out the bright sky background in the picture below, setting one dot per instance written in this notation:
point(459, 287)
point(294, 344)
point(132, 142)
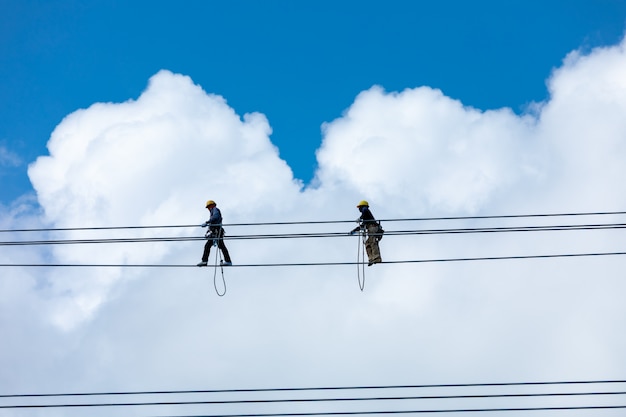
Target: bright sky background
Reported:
point(118, 115)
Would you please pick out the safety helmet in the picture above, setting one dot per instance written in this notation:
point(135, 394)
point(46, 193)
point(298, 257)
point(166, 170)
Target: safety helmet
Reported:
point(363, 203)
point(210, 203)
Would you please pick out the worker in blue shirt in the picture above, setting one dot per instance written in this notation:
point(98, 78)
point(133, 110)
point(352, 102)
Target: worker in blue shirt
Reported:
point(214, 234)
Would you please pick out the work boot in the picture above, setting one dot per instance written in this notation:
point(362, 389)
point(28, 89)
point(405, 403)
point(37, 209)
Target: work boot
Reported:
point(203, 263)
point(226, 263)
point(374, 261)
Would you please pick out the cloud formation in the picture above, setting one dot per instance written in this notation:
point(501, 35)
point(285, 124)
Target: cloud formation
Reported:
point(8, 158)
point(415, 153)
point(153, 161)
point(428, 150)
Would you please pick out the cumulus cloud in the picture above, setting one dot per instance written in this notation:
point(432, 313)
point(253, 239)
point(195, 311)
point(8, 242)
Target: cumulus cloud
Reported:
point(152, 161)
point(428, 150)
point(415, 153)
point(122, 160)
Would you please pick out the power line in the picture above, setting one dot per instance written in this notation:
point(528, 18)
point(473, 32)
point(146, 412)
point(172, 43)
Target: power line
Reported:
point(302, 264)
point(317, 400)
point(510, 229)
point(323, 399)
point(328, 388)
point(509, 216)
point(362, 413)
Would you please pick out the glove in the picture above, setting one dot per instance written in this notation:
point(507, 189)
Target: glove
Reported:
point(205, 224)
point(352, 232)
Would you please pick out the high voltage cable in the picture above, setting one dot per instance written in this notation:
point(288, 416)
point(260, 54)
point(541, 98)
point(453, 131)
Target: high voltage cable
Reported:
point(361, 413)
point(317, 400)
point(423, 411)
point(510, 229)
point(506, 216)
point(331, 388)
point(302, 264)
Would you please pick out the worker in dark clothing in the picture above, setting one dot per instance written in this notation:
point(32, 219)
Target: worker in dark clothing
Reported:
point(368, 223)
point(215, 235)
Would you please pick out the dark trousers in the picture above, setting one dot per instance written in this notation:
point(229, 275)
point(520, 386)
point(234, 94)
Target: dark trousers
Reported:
point(216, 234)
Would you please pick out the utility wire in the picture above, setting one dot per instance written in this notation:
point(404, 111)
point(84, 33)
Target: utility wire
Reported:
point(331, 388)
point(511, 229)
point(301, 264)
point(316, 400)
point(362, 413)
point(510, 216)
point(311, 400)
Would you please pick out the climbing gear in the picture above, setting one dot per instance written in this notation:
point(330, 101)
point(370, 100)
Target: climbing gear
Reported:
point(363, 203)
point(212, 234)
point(379, 232)
point(219, 253)
point(360, 259)
point(209, 203)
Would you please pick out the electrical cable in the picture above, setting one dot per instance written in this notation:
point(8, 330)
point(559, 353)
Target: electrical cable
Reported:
point(324, 399)
point(300, 264)
point(328, 388)
point(509, 216)
point(362, 413)
point(316, 400)
point(551, 228)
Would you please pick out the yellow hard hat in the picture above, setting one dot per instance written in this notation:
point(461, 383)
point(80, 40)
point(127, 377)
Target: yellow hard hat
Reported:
point(363, 203)
point(210, 203)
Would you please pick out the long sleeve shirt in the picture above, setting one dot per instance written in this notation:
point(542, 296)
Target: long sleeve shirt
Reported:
point(366, 216)
point(216, 217)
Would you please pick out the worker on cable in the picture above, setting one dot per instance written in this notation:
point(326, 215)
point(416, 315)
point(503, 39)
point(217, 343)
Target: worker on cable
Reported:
point(215, 235)
point(368, 224)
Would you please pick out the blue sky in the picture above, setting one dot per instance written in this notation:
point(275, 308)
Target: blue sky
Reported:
point(301, 63)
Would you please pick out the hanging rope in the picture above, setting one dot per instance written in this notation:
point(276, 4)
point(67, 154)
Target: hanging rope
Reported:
point(360, 258)
point(218, 253)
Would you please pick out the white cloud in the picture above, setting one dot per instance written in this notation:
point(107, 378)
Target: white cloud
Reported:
point(148, 162)
point(8, 158)
point(428, 150)
point(415, 153)
point(583, 126)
